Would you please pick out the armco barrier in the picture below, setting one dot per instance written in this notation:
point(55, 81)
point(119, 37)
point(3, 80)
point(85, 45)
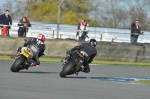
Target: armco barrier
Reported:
point(54, 48)
point(106, 50)
point(123, 52)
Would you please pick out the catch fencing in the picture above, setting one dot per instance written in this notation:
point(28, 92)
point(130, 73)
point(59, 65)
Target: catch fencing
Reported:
point(69, 32)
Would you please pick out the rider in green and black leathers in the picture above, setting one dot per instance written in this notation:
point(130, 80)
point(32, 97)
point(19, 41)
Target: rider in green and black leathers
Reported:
point(90, 50)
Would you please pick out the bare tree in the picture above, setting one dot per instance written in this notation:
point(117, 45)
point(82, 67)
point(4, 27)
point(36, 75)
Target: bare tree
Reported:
point(16, 7)
point(112, 14)
point(121, 13)
point(139, 9)
point(107, 13)
point(9, 5)
point(20, 9)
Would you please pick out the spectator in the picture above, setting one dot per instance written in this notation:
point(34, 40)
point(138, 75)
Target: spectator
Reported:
point(23, 27)
point(79, 32)
point(85, 30)
point(135, 31)
point(5, 19)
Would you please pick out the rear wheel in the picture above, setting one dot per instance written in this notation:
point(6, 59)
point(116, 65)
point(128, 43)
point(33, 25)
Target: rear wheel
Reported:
point(67, 68)
point(16, 66)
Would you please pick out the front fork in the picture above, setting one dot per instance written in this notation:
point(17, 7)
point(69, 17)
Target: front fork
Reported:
point(79, 64)
point(18, 50)
point(26, 64)
point(65, 60)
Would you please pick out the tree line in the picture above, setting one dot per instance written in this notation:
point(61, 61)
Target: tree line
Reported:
point(104, 13)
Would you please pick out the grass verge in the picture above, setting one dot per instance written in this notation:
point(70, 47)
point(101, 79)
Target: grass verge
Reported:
point(144, 81)
point(45, 59)
point(121, 63)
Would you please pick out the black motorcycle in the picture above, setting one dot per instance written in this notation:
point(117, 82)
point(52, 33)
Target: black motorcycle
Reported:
point(73, 63)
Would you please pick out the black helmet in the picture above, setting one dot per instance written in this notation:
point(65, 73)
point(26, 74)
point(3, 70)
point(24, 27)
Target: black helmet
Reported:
point(93, 42)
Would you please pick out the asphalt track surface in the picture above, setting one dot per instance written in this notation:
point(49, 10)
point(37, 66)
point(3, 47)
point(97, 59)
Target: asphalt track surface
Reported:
point(43, 82)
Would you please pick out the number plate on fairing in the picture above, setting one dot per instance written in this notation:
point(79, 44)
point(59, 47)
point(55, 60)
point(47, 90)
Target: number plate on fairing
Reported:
point(25, 54)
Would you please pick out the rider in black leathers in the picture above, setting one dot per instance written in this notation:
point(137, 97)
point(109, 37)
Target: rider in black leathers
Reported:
point(39, 43)
point(90, 50)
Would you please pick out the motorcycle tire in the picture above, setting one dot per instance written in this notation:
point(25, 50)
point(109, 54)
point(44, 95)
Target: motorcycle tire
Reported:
point(66, 69)
point(17, 63)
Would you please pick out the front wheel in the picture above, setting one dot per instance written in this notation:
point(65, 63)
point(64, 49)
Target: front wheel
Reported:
point(67, 68)
point(17, 63)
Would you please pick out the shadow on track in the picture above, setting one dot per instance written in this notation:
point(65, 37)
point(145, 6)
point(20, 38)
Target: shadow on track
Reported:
point(77, 77)
point(112, 79)
point(38, 72)
point(90, 77)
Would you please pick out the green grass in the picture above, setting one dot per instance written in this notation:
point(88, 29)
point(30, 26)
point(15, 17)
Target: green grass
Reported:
point(5, 58)
point(121, 63)
point(45, 59)
point(144, 81)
